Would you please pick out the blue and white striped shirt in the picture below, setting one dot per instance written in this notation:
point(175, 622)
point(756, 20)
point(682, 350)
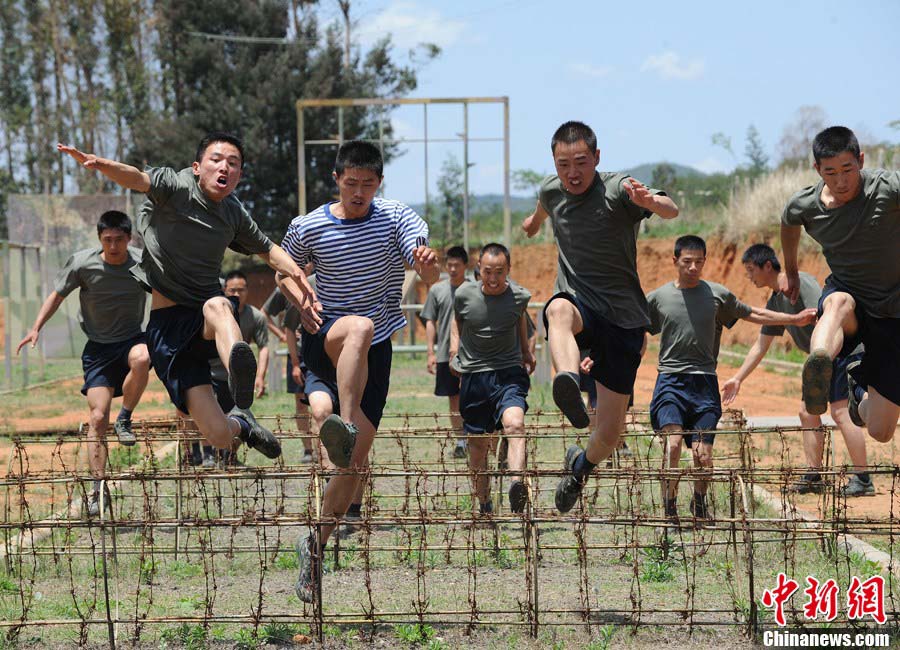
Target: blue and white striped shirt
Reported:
point(359, 262)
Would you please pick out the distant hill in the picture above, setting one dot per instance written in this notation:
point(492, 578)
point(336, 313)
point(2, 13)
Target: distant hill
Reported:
point(644, 173)
point(492, 203)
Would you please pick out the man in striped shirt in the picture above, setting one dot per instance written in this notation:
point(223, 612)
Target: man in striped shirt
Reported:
point(359, 245)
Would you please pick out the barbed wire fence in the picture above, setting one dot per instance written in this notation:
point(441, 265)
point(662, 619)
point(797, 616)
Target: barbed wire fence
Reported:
point(212, 549)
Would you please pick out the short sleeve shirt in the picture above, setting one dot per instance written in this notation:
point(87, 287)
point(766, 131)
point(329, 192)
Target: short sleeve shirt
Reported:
point(112, 302)
point(596, 236)
point(690, 323)
point(860, 239)
point(489, 327)
point(185, 236)
point(810, 291)
point(438, 307)
point(359, 262)
point(277, 303)
point(254, 329)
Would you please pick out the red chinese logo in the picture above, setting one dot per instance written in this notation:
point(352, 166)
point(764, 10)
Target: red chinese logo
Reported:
point(866, 599)
point(779, 595)
point(821, 599)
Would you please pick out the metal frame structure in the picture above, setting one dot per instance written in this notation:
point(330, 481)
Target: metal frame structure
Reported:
point(463, 137)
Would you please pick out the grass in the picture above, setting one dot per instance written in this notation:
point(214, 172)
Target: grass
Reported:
point(447, 566)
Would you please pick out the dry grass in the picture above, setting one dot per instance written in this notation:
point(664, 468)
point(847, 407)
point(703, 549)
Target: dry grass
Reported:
point(755, 207)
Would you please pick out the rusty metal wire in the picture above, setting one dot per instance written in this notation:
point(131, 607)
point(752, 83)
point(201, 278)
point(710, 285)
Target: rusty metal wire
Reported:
point(213, 547)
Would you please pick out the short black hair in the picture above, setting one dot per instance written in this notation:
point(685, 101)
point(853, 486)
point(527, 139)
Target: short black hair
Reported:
point(834, 141)
point(759, 254)
point(457, 253)
point(495, 249)
point(236, 274)
point(219, 136)
point(572, 132)
point(114, 220)
point(689, 243)
point(359, 155)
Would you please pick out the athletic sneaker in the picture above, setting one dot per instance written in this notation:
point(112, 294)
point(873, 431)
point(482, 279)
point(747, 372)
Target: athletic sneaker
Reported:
point(460, 450)
point(124, 432)
point(93, 504)
point(852, 402)
point(698, 506)
point(307, 457)
point(807, 484)
point(486, 508)
point(671, 510)
point(209, 459)
point(567, 397)
point(339, 438)
point(816, 381)
point(241, 374)
point(259, 438)
point(569, 488)
point(306, 560)
point(625, 451)
point(518, 497)
point(856, 487)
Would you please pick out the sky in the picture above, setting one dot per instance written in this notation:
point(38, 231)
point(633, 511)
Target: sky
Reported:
point(654, 79)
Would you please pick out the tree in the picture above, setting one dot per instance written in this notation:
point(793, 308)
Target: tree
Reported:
point(719, 139)
point(797, 136)
point(528, 180)
point(756, 155)
point(451, 190)
point(664, 177)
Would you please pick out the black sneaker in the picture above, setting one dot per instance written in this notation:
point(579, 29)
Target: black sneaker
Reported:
point(459, 451)
point(671, 510)
point(856, 487)
point(241, 374)
point(567, 397)
point(569, 488)
point(807, 484)
point(852, 402)
point(307, 562)
point(816, 382)
point(339, 438)
point(259, 438)
point(518, 497)
point(698, 506)
point(124, 432)
point(486, 508)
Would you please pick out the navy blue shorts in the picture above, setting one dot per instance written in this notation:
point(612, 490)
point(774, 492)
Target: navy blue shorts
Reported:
point(106, 364)
point(881, 339)
point(616, 351)
point(322, 376)
point(484, 396)
point(587, 385)
point(293, 387)
point(179, 352)
point(839, 389)
point(446, 384)
point(690, 401)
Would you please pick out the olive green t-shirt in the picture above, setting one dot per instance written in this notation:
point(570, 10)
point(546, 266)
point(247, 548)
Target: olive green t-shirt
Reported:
point(860, 240)
point(438, 307)
point(112, 303)
point(185, 237)
point(254, 329)
point(690, 323)
point(810, 291)
point(596, 235)
point(489, 326)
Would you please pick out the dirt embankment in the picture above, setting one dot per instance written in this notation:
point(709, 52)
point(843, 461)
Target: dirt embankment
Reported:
point(535, 268)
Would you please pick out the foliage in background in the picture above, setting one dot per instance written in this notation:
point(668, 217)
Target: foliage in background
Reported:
point(142, 81)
